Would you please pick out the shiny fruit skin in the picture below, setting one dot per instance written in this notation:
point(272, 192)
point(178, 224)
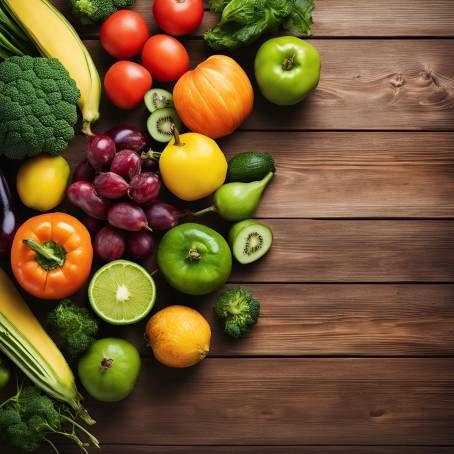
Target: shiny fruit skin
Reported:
point(93, 225)
point(123, 34)
point(127, 216)
point(165, 57)
point(105, 380)
point(126, 83)
point(178, 17)
point(287, 69)
point(179, 336)
point(42, 180)
point(128, 137)
point(139, 245)
point(109, 244)
point(100, 151)
point(127, 164)
point(215, 97)
point(83, 172)
point(82, 194)
point(162, 215)
point(194, 169)
point(144, 187)
point(110, 185)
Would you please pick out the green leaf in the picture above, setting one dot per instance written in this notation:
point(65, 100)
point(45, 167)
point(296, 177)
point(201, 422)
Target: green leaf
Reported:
point(299, 21)
point(217, 6)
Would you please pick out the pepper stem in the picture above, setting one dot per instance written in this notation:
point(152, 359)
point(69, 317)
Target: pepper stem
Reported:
point(176, 136)
point(193, 255)
point(204, 211)
point(49, 255)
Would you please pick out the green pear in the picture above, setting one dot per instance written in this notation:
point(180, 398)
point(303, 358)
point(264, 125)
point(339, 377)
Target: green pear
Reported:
point(238, 201)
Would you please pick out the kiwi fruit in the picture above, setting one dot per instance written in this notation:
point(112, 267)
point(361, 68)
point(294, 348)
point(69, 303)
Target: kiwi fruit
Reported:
point(250, 240)
point(157, 98)
point(160, 124)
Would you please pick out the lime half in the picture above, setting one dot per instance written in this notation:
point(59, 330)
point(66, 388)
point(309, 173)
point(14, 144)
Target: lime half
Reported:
point(122, 292)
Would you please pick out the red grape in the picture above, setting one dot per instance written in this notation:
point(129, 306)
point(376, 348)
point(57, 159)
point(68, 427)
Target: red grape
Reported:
point(162, 215)
point(93, 225)
point(110, 185)
point(100, 151)
point(84, 171)
point(82, 194)
point(127, 216)
point(109, 243)
point(128, 137)
point(144, 188)
point(126, 163)
point(139, 245)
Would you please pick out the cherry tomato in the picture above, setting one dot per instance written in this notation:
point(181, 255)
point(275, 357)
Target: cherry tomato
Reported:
point(126, 83)
point(165, 57)
point(178, 17)
point(124, 33)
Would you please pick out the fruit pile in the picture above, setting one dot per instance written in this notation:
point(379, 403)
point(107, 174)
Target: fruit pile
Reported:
point(126, 197)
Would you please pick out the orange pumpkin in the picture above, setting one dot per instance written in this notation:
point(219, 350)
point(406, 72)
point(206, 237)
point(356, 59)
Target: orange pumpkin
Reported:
point(214, 98)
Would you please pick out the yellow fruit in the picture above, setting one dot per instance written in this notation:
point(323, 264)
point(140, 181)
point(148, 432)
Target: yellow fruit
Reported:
point(42, 180)
point(179, 336)
point(192, 167)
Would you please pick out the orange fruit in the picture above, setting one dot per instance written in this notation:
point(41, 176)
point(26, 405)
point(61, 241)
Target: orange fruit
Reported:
point(179, 336)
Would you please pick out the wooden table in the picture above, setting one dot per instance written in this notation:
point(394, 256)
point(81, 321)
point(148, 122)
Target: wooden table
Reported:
point(354, 349)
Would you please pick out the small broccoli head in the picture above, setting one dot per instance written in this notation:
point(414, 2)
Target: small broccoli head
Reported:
point(238, 310)
point(90, 11)
point(38, 106)
point(74, 327)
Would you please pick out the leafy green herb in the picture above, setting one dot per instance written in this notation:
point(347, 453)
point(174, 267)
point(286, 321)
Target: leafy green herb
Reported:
point(244, 21)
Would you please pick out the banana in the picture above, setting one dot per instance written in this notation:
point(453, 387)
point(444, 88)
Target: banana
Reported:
point(24, 341)
point(55, 37)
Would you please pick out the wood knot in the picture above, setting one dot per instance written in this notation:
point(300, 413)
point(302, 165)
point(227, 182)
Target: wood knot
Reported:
point(376, 413)
point(397, 81)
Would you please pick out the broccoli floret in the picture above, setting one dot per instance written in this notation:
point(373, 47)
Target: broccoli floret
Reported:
point(238, 310)
point(90, 11)
point(74, 328)
point(38, 107)
point(29, 417)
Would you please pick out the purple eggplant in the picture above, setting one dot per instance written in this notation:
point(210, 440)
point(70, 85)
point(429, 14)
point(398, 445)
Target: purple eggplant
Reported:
point(8, 219)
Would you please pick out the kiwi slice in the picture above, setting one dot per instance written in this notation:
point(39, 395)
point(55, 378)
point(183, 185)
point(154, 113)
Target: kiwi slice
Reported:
point(161, 122)
point(157, 98)
point(250, 240)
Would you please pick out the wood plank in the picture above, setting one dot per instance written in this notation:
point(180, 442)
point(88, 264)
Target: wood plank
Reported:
point(280, 402)
point(365, 84)
point(328, 320)
point(341, 175)
point(343, 18)
point(150, 449)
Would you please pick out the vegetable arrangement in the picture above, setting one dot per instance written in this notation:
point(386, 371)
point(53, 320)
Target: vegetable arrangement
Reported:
point(119, 191)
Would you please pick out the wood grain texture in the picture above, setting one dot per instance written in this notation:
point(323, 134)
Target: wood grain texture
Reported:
point(324, 320)
point(365, 84)
point(348, 174)
point(342, 18)
point(286, 401)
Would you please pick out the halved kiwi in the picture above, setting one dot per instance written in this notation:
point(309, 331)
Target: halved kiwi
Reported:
point(250, 240)
point(158, 98)
point(160, 124)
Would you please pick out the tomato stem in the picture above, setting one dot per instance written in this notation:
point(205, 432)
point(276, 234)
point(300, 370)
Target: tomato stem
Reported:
point(49, 255)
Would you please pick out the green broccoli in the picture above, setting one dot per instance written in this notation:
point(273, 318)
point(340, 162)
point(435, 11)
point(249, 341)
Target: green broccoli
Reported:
point(73, 327)
point(38, 107)
point(238, 309)
point(90, 11)
point(29, 417)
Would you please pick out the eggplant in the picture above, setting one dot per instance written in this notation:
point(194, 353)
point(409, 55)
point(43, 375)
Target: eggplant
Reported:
point(8, 219)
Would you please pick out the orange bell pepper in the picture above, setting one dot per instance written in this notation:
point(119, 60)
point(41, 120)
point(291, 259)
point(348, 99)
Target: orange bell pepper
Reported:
point(51, 255)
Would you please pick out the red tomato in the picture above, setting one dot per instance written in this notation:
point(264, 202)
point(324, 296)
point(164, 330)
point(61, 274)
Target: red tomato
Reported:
point(165, 57)
point(126, 83)
point(124, 33)
point(178, 17)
